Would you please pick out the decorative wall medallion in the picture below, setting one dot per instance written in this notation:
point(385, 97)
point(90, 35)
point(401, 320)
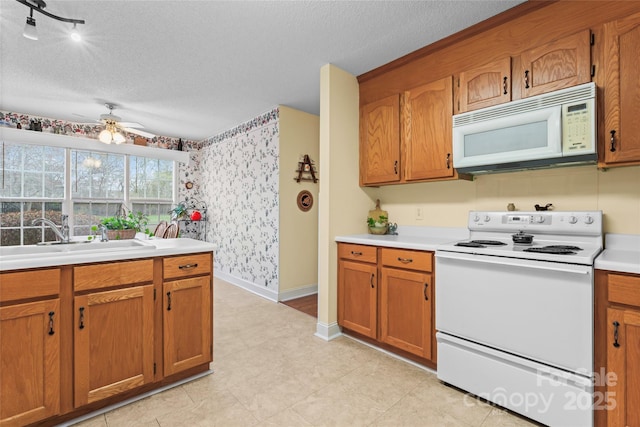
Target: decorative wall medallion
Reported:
point(189, 185)
point(305, 200)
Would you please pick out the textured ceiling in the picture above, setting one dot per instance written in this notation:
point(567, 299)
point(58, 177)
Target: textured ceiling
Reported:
point(193, 69)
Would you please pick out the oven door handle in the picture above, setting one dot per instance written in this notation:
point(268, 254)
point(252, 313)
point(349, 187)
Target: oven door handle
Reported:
point(537, 265)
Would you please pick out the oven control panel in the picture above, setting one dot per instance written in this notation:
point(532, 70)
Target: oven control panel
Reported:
point(582, 222)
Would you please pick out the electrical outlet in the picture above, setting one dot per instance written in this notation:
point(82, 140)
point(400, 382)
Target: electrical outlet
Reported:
point(419, 213)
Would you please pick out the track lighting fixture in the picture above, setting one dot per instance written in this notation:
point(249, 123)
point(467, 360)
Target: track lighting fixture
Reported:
point(39, 5)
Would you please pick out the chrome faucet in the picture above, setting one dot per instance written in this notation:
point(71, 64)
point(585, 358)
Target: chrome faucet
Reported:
point(63, 236)
point(103, 233)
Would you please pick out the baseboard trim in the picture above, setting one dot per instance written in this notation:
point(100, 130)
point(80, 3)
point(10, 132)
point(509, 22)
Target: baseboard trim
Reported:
point(246, 285)
point(328, 332)
point(298, 292)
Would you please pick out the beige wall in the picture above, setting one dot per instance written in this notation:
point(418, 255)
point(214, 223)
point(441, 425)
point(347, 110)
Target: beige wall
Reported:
point(299, 135)
point(343, 204)
point(616, 192)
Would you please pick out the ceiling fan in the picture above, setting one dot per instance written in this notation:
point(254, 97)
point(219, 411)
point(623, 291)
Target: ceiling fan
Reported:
point(113, 124)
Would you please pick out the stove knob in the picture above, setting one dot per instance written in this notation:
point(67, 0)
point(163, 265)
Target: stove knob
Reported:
point(476, 218)
point(573, 219)
point(588, 219)
point(487, 218)
point(538, 218)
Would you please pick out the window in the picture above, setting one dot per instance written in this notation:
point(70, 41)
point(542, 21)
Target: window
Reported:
point(97, 188)
point(99, 184)
point(32, 187)
point(151, 188)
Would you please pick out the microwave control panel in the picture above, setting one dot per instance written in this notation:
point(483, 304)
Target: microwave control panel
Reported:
point(578, 128)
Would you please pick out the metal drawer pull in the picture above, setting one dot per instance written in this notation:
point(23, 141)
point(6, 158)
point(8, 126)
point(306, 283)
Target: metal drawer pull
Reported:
point(426, 297)
point(51, 313)
point(613, 141)
point(372, 276)
point(615, 334)
point(356, 253)
point(405, 260)
point(186, 266)
point(168, 301)
point(81, 326)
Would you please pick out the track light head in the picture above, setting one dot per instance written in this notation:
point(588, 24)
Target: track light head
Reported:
point(30, 31)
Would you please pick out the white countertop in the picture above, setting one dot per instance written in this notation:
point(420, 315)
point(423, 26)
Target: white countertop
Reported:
point(621, 253)
point(410, 237)
point(151, 248)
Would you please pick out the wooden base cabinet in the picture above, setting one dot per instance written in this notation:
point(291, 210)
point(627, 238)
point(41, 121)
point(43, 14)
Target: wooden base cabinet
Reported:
point(113, 342)
point(29, 346)
point(358, 289)
point(617, 396)
point(187, 318)
point(387, 295)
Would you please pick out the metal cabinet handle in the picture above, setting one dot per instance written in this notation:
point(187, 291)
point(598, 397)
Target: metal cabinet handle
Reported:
point(504, 85)
point(613, 141)
point(448, 160)
point(405, 260)
point(615, 334)
point(424, 292)
point(354, 253)
point(168, 301)
point(371, 280)
point(51, 332)
point(187, 266)
point(395, 167)
point(81, 325)
point(526, 79)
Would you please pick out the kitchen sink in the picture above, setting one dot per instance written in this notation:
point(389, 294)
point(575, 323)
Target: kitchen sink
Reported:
point(59, 248)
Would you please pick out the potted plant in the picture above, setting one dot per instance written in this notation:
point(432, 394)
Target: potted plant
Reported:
point(125, 226)
point(379, 225)
point(179, 212)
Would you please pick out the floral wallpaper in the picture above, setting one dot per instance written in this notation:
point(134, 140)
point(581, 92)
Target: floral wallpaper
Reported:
point(47, 125)
point(238, 176)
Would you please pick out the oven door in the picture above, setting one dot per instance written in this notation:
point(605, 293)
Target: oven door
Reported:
point(539, 310)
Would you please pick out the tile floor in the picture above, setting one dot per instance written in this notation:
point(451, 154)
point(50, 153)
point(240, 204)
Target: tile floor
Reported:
point(270, 370)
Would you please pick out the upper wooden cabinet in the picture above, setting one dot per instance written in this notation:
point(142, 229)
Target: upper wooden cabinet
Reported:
point(427, 122)
point(562, 63)
point(484, 86)
point(622, 91)
point(380, 141)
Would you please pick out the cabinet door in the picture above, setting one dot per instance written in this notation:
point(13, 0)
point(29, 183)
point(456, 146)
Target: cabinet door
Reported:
point(563, 63)
point(622, 91)
point(113, 342)
point(623, 354)
point(427, 118)
point(357, 297)
point(405, 310)
point(485, 86)
point(187, 323)
point(29, 362)
point(380, 141)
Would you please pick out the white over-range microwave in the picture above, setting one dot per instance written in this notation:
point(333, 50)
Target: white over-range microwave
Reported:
point(552, 129)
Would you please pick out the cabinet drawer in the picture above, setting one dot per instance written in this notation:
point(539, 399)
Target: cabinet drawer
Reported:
point(407, 259)
point(29, 284)
point(186, 265)
point(357, 252)
point(111, 274)
point(624, 289)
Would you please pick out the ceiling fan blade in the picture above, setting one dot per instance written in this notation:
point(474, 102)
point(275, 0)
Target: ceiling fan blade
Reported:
point(138, 132)
point(130, 125)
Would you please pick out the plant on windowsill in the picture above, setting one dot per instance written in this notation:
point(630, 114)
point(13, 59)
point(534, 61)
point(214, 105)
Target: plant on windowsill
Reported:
point(125, 226)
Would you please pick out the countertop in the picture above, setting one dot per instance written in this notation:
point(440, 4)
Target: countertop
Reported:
point(410, 237)
point(621, 253)
point(151, 248)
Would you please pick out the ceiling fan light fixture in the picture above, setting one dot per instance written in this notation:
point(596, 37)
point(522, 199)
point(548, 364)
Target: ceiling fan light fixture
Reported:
point(118, 138)
point(75, 34)
point(105, 136)
point(30, 31)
